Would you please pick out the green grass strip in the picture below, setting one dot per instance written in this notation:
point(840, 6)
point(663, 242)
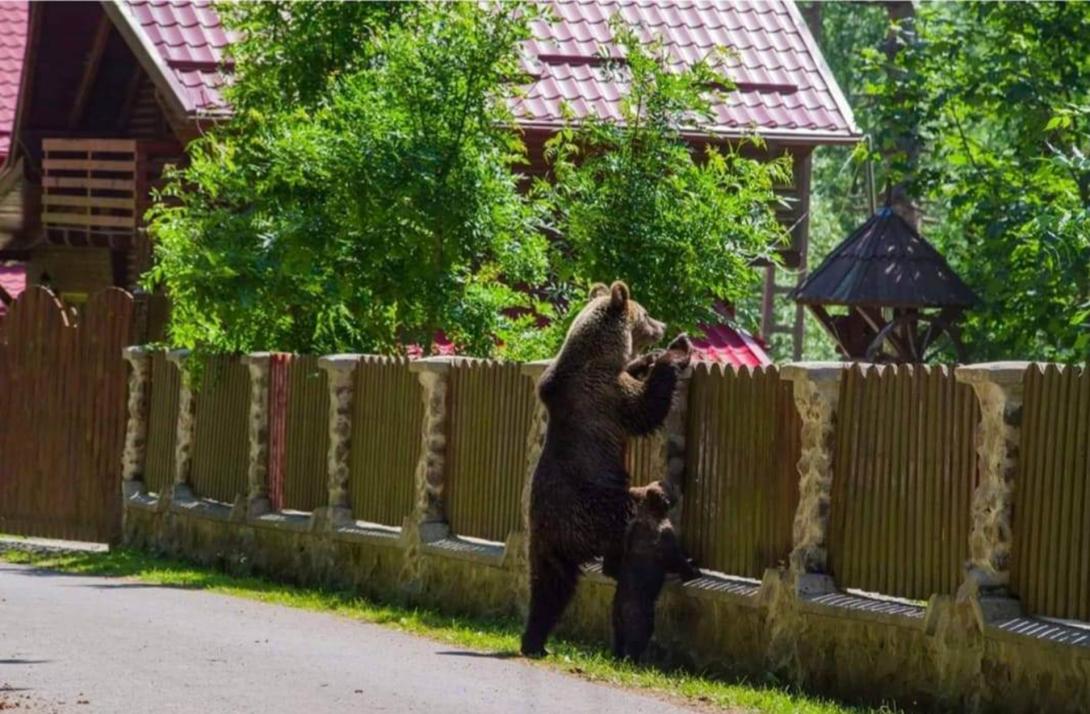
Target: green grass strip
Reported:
point(499, 635)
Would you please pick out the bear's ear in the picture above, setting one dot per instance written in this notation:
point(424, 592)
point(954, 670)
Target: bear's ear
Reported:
point(598, 290)
point(618, 295)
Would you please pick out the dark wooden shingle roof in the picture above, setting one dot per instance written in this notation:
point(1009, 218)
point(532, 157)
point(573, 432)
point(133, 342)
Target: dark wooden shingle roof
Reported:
point(885, 263)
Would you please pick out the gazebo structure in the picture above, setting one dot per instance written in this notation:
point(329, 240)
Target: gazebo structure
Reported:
point(902, 299)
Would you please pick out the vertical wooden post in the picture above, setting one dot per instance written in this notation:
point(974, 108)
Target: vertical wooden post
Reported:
point(431, 517)
point(257, 473)
point(341, 371)
point(998, 388)
point(187, 424)
point(134, 458)
point(817, 391)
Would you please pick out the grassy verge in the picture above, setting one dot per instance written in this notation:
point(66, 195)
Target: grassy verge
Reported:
point(486, 634)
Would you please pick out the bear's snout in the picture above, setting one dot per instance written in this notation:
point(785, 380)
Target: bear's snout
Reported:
point(657, 330)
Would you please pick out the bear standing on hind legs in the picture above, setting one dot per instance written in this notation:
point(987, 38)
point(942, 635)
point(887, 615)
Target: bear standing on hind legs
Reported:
point(579, 500)
point(651, 550)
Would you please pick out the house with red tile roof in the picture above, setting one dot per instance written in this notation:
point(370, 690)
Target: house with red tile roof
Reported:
point(95, 98)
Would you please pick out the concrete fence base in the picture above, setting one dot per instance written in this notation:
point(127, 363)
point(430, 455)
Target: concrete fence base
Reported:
point(969, 653)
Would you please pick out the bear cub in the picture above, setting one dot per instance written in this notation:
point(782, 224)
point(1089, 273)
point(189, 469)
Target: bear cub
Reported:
point(651, 550)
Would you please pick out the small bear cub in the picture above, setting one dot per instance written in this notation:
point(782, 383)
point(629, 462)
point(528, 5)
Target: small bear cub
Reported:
point(651, 550)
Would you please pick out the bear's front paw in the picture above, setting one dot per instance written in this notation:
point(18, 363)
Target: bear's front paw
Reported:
point(680, 351)
point(640, 367)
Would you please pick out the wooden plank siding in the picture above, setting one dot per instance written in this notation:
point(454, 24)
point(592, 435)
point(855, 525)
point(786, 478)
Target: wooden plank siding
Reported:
point(221, 443)
point(741, 484)
point(306, 435)
point(1050, 558)
point(162, 424)
point(904, 472)
point(643, 460)
point(387, 422)
point(63, 415)
point(91, 184)
point(491, 408)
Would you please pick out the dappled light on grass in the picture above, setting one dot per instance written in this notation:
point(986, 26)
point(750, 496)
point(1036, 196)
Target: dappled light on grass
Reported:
point(497, 637)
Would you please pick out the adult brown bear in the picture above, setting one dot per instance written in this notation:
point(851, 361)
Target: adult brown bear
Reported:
point(597, 396)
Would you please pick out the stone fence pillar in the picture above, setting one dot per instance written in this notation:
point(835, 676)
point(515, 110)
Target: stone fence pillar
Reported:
point(341, 370)
point(817, 390)
point(187, 423)
point(998, 388)
point(257, 472)
point(134, 458)
point(431, 517)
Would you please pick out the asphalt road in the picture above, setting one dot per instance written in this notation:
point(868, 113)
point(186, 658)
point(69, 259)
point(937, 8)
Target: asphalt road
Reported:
point(85, 644)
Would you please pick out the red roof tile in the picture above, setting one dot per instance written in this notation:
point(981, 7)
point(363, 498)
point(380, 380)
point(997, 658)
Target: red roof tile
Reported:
point(189, 43)
point(726, 344)
point(784, 88)
point(13, 26)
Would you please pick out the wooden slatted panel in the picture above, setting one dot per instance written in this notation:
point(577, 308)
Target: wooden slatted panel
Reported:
point(221, 444)
point(162, 424)
point(279, 364)
point(63, 416)
point(904, 473)
point(1050, 559)
point(91, 184)
point(643, 460)
point(742, 452)
point(307, 437)
point(491, 407)
point(388, 413)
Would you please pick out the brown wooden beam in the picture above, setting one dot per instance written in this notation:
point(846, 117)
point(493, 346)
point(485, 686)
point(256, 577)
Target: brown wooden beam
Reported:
point(90, 70)
point(131, 93)
point(826, 321)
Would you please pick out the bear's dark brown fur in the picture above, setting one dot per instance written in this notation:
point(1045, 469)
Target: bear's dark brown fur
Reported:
point(651, 550)
point(579, 500)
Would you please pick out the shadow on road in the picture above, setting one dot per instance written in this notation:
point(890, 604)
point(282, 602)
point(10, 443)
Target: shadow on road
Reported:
point(467, 653)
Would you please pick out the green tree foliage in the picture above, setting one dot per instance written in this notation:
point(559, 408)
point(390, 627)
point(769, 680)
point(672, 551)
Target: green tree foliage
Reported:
point(838, 199)
point(635, 201)
point(362, 205)
point(366, 192)
point(998, 97)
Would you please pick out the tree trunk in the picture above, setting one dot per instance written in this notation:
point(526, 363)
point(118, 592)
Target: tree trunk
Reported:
point(903, 13)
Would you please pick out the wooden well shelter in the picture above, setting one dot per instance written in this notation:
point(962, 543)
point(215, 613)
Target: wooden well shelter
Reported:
point(887, 295)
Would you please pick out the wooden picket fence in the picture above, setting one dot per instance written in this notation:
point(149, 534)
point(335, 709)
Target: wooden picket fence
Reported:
point(162, 423)
point(1050, 562)
point(741, 486)
point(221, 440)
point(63, 415)
point(387, 419)
point(491, 409)
point(904, 473)
point(305, 434)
